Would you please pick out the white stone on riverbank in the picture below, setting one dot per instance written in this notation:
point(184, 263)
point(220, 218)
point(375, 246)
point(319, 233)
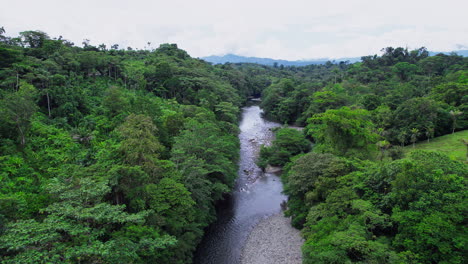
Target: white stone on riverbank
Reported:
point(273, 241)
point(273, 169)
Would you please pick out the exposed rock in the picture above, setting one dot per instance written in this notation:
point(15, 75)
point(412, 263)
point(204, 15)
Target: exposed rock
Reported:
point(273, 241)
point(273, 169)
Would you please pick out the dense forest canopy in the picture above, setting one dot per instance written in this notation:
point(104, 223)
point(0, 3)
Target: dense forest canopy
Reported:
point(111, 155)
point(119, 156)
point(356, 197)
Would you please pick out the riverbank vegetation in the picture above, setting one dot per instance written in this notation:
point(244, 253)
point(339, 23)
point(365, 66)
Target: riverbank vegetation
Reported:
point(357, 197)
point(288, 142)
point(110, 155)
point(408, 210)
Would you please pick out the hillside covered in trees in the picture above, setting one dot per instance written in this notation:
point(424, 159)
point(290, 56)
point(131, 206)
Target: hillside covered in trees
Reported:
point(356, 197)
point(109, 155)
point(119, 156)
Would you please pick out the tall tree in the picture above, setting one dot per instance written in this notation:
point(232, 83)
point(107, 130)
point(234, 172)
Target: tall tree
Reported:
point(18, 107)
point(343, 131)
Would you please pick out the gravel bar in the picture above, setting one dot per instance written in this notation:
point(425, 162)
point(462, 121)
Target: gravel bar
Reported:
point(273, 241)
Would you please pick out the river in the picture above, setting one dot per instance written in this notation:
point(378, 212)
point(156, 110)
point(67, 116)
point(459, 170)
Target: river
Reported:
point(257, 195)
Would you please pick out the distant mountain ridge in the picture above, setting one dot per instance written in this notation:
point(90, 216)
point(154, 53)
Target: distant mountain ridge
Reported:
point(463, 53)
point(232, 58)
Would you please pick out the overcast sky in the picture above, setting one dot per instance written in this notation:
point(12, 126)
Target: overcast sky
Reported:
point(286, 29)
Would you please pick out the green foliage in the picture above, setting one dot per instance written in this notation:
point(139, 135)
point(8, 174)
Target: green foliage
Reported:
point(344, 131)
point(8, 57)
point(309, 180)
point(140, 145)
point(322, 101)
point(21, 195)
point(400, 79)
point(272, 98)
point(422, 114)
point(404, 69)
point(114, 156)
point(17, 108)
point(404, 211)
point(227, 112)
point(451, 93)
point(205, 157)
point(75, 227)
point(171, 203)
point(386, 212)
point(98, 161)
point(288, 143)
point(115, 101)
point(429, 199)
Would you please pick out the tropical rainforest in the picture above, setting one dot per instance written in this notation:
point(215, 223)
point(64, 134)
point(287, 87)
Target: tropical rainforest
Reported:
point(356, 197)
point(111, 155)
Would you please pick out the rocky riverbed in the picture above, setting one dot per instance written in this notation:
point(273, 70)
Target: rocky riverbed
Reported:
point(273, 241)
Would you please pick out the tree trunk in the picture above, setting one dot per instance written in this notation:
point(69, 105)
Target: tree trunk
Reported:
point(48, 103)
point(23, 138)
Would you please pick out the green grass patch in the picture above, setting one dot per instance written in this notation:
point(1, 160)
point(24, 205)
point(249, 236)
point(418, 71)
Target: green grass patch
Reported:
point(449, 144)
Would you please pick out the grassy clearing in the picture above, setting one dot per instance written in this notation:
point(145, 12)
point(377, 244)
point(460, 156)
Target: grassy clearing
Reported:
point(448, 144)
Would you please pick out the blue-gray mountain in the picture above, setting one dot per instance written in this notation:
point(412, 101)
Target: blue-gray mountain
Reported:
point(232, 58)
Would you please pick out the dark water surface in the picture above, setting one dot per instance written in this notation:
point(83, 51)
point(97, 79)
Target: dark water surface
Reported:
point(256, 195)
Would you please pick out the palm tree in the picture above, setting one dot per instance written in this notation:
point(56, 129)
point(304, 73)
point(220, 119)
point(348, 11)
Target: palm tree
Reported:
point(454, 115)
point(429, 132)
point(402, 137)
point(383, 145)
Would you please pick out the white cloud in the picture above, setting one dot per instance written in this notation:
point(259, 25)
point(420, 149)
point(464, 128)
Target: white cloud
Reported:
point(293, 29)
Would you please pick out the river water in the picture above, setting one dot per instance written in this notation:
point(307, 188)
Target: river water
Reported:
point(256, 195)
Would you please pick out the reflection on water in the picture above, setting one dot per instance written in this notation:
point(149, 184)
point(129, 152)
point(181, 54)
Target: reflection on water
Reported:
point(255, 196)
